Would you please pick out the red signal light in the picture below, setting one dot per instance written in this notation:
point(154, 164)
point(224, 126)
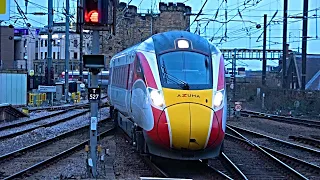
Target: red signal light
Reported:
point(92, 16)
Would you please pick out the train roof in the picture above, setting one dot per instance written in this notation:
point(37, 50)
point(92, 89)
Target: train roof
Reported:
point(197, 42)
point(159, 43)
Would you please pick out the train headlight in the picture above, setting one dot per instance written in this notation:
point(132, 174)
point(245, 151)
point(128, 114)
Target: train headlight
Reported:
point(218, 99)
point(156, 97)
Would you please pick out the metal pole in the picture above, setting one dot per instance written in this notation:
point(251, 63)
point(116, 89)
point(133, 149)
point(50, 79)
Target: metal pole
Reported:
point(94, 109)
point(317, 23)
point(151, 28)
point(304, 43)
point(234, 66)
point(67, 54)
point(81, 43)
point(49, 57)
point(284, 44)
point(264, 60)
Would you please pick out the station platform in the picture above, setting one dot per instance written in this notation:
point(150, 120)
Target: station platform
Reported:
point(8, 112)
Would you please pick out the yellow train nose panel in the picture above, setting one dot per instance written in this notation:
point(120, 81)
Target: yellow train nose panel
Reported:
point(179, 116)
point(189, 120)
point(200, 122)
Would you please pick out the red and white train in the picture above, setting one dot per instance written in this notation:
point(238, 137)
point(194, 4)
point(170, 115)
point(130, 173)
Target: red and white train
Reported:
point(168, 94)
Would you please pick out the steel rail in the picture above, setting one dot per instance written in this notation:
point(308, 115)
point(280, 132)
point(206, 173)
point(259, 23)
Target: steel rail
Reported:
point(154, 167)
point(44, 142)
point(294, 161)
point(306, 140)
point(231, 167)
point(146, 158)
point(28, 171)
point(11, 135)
point(241, 138)
point(223, 175)
point(14, 125)
point(291, 120)
point(274, 139)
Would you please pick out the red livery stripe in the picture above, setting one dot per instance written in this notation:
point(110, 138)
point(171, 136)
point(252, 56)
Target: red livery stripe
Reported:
point(221, 74)
point(160, 132)
point(147, 71)
point(216, 134)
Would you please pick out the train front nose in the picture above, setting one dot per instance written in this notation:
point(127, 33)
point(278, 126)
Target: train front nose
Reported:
point(190, 125)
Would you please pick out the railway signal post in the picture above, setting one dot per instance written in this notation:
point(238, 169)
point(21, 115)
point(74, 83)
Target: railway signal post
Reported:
point(95, 63)
point(95, 16)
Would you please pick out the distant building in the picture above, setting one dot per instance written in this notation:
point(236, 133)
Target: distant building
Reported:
point(6, 48)
point(133, 27)
point(294, 71)
point(31, 49)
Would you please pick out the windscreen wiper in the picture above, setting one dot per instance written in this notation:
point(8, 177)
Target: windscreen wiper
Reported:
point(178, 81)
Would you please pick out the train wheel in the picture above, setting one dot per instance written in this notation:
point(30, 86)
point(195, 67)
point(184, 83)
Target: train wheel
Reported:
point(111, 111)
point(114, 116)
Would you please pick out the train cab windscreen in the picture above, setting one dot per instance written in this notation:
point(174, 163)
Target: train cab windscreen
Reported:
point(185, 70)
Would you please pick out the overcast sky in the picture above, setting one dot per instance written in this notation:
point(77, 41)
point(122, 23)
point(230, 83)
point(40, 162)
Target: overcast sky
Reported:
point(241, 30)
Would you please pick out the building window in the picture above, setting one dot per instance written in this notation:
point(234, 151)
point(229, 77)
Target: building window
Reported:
point(75, 43)
point(35, 68)
point(36, 56)
point(54, 42)
point(37, 45)
point(45, 55)
point(41, 42)
point(58, 55)
point(54, 55)
point(75, 55)
point(41, 55)
point(45, 43)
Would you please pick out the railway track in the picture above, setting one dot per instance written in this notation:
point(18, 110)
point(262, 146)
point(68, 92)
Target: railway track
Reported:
point(305, 169)
point(306, 140)
point(291, 120)
point(231, 167)
point(255, 162)
point(302, 152)
point(168, 168)
point(188, 169)
point(37, 122)
point(24, 162)
point(31, 122)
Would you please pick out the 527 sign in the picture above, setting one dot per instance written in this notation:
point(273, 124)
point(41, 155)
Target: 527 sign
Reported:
point(94, 94)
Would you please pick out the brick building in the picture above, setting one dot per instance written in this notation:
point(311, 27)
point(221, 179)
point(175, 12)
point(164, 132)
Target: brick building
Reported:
point(133, 27)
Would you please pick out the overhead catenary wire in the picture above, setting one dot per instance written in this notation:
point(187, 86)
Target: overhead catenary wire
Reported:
point(197, 15)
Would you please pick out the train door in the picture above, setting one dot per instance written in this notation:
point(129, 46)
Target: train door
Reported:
point(130, 83)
